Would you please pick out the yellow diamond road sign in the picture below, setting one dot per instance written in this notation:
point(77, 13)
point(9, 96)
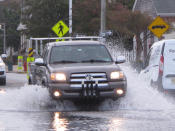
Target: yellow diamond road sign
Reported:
point(158, 26)
point(60, 28)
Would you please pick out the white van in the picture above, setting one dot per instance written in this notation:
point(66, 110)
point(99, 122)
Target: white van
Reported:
point(160, 65)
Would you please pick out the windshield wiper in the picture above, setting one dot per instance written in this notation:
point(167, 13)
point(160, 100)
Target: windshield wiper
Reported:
point(93, 60)
point(63, 61)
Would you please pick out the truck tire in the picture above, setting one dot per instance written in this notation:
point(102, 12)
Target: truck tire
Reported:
point(4, 81)
point(30, 81)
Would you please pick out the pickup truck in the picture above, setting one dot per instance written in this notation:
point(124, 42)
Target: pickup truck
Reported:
point(79, 69)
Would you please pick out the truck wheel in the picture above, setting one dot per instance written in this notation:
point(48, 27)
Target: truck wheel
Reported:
point(29, 81)
point(4, 81)
point(44, 84)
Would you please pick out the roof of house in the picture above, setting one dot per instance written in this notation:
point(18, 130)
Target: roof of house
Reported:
point(155, 7)
point(165, 7)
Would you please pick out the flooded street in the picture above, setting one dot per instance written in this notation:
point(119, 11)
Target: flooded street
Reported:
point(87, 65)
point(29, 108)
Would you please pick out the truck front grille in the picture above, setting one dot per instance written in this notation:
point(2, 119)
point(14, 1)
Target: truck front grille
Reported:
point(1, 72)
point(76, 79)
point(88, 83)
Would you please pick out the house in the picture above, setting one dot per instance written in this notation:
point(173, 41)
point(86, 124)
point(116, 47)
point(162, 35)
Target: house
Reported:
point(163, 8)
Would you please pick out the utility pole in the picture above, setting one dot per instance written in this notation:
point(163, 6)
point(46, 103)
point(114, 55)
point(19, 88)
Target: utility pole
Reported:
point(4, 29)
point(70, 17)
point(4, 39)
point(103, 16)
point(22, 6)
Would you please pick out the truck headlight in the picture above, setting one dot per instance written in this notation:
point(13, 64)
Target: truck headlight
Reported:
point(58, 77)
point(117, 75)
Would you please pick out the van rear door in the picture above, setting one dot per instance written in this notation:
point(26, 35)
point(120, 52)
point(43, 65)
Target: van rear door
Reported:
point(169, 66)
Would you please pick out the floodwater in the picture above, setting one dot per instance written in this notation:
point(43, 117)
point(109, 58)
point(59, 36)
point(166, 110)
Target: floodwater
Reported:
point(29, 108)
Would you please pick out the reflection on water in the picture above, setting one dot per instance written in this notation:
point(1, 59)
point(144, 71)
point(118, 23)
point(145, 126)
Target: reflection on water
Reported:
point(2, 91)
point(59, 124)
point(1, 127)
point(116, 124)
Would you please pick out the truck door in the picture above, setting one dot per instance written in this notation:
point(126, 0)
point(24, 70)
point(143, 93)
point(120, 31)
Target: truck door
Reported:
point(41, 70)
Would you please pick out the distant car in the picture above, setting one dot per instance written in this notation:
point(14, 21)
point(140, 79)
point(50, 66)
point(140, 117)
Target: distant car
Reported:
point(2, 72)
point(107, 33)
point(79, 69)
point(160, 65)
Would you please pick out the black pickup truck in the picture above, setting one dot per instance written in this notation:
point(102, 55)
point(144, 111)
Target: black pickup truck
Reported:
point(79, 69)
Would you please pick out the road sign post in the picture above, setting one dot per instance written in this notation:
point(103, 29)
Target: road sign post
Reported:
point(158, 27)
point(30, 60)
point(20, 64)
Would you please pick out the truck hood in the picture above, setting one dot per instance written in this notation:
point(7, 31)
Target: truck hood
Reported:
point(84, 67)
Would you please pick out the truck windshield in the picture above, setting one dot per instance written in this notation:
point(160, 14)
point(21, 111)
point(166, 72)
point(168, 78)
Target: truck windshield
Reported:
point(79, 53)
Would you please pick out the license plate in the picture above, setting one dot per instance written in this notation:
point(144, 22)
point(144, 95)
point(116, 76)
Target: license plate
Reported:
point(173, 80)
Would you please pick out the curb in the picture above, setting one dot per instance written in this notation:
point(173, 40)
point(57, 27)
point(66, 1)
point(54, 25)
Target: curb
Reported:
point(16, 72)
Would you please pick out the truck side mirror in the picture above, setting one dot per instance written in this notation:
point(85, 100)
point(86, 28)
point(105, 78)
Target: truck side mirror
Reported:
point(120, 59)
point(39, 62)
point(4, 56)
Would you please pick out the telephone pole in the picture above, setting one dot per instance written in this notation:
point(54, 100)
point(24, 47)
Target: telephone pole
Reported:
point(103, 16)
point(4, 29)
point(4, 39)
point(70, 17)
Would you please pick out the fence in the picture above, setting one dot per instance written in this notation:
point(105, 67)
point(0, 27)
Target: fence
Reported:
point(115, 46)
point(118, 49)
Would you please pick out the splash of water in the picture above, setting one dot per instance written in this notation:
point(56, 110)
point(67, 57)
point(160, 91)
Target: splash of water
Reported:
point(31, 98)
point(140, 96)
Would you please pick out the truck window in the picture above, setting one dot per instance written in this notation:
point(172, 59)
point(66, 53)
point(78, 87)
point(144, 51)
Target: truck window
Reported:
point(79, 53)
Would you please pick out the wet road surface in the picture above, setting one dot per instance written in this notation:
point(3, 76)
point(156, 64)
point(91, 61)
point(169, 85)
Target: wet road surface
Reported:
point(120, 120)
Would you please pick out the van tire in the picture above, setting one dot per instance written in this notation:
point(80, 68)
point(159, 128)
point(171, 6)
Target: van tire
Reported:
point(153, 84)
point(160, 87)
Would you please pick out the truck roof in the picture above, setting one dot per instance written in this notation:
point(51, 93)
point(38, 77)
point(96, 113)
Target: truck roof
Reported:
point(75, 42)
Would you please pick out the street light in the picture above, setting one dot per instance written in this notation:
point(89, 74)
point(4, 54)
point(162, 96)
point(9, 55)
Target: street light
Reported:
point(4, 45)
